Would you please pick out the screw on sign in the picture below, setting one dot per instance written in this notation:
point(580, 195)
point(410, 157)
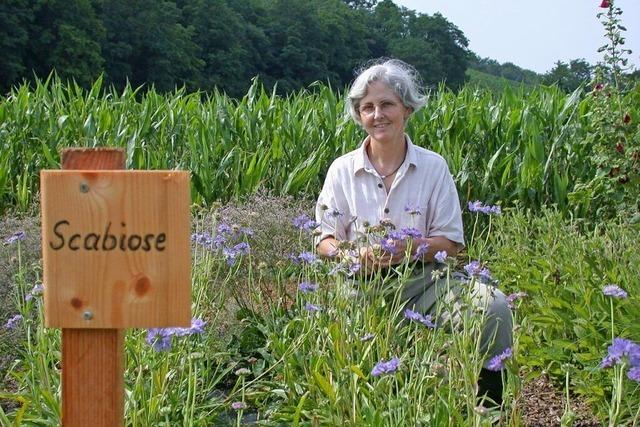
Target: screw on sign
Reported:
point(115, 253)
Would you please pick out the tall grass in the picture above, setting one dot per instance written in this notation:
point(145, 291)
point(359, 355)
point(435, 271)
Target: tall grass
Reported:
point(516, 146)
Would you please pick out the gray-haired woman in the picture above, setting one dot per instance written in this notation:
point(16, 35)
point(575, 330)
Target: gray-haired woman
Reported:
point(388, 179)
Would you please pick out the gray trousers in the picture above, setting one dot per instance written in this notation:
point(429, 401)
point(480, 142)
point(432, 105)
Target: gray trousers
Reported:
point(444, 296)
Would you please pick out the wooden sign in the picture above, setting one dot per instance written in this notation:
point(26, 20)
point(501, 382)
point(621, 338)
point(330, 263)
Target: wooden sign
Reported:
point(115, 248)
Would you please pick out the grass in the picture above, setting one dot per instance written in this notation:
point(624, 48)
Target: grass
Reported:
point(315, 368)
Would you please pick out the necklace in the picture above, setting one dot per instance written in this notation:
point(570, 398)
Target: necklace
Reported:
point(391, 173)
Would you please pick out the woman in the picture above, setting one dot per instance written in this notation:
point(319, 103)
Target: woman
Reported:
point(390, 180)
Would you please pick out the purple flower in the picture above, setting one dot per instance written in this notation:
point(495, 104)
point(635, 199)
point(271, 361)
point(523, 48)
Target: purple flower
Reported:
point(159, 339)
point(307, 257)
point(634, 374)
point(241, 248)
point(388, 245)
point(224, 228)
point(383, 367)
point(478, 206)
point(441, 256)
point(426, 320)
point(15, 237)
point(512, 298)
point(367, 337)
point(246, 231)
point(412, 209)
point(303, 222)
point(396, 235)
point(496, 363)
point(312, 308)
point(412, 232)
point(202, 239)
point(237, 406)
point(307, 287)
point(37, 290)
point(620, 349)
point(614, 291)
point(475, 269)
point(13, 322)
point(354, 267)
point(422, 249)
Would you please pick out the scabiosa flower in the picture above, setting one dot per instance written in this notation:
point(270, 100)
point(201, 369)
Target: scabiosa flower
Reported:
point(478, 206)
point(383, 367)
point(241, 248)
point(620, 349)
point(422, 249)
point(159, 339)
point(367, 337)
point(307, 287)
point(307, 257)
point(13, 322)
point(37, 290)
point(412, 209)
point(496, 363)
point(614, 291)
point(426, 320)
point(224, 228)
point(388, 245)
point(634, 374)
point(474, 269)
point(202, 239)
point(512, 298)
point(441, 256)
point(312, 308)
point(396, 235)
point(412, 232)
point(242, 371)
point(354, 267)
point(15, 237)
point(238, 406)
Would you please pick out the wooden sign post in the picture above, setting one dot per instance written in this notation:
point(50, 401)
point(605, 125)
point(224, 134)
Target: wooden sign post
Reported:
point(116, 255)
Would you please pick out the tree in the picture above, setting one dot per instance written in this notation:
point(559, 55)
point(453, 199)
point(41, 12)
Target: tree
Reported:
point(15, 16)
point(569, 76)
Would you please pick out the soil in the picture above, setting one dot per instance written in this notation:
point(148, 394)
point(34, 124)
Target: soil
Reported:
point(542, 404)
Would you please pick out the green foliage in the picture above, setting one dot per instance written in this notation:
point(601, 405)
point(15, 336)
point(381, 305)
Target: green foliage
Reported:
point(220, 44)
point(569, 77)
point(527, 147)
point(568, 319)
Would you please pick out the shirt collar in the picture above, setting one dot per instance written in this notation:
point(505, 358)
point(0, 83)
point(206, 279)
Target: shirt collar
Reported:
point(362, 162)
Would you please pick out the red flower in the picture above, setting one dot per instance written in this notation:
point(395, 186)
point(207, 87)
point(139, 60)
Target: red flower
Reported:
point(599, 86)
point(620, 148)
point(627, 118)
point(604, 4)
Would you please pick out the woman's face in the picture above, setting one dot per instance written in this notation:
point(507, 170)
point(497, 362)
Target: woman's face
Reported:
point(382, 113)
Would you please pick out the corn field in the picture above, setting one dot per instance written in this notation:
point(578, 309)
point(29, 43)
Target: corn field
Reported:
point(515, 147)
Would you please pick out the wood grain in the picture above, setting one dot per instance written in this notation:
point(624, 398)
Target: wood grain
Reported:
point(92, 360)
point(116, 249)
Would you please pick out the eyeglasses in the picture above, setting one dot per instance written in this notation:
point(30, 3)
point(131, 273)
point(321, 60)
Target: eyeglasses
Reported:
point(384, 106)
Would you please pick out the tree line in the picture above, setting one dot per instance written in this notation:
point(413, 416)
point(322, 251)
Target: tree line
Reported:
point(223, 44)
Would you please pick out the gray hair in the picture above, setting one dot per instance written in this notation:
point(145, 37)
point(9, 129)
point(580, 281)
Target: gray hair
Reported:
point(401, 77)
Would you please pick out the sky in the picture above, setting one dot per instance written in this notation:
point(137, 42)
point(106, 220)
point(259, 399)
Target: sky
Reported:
point(534, 34)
